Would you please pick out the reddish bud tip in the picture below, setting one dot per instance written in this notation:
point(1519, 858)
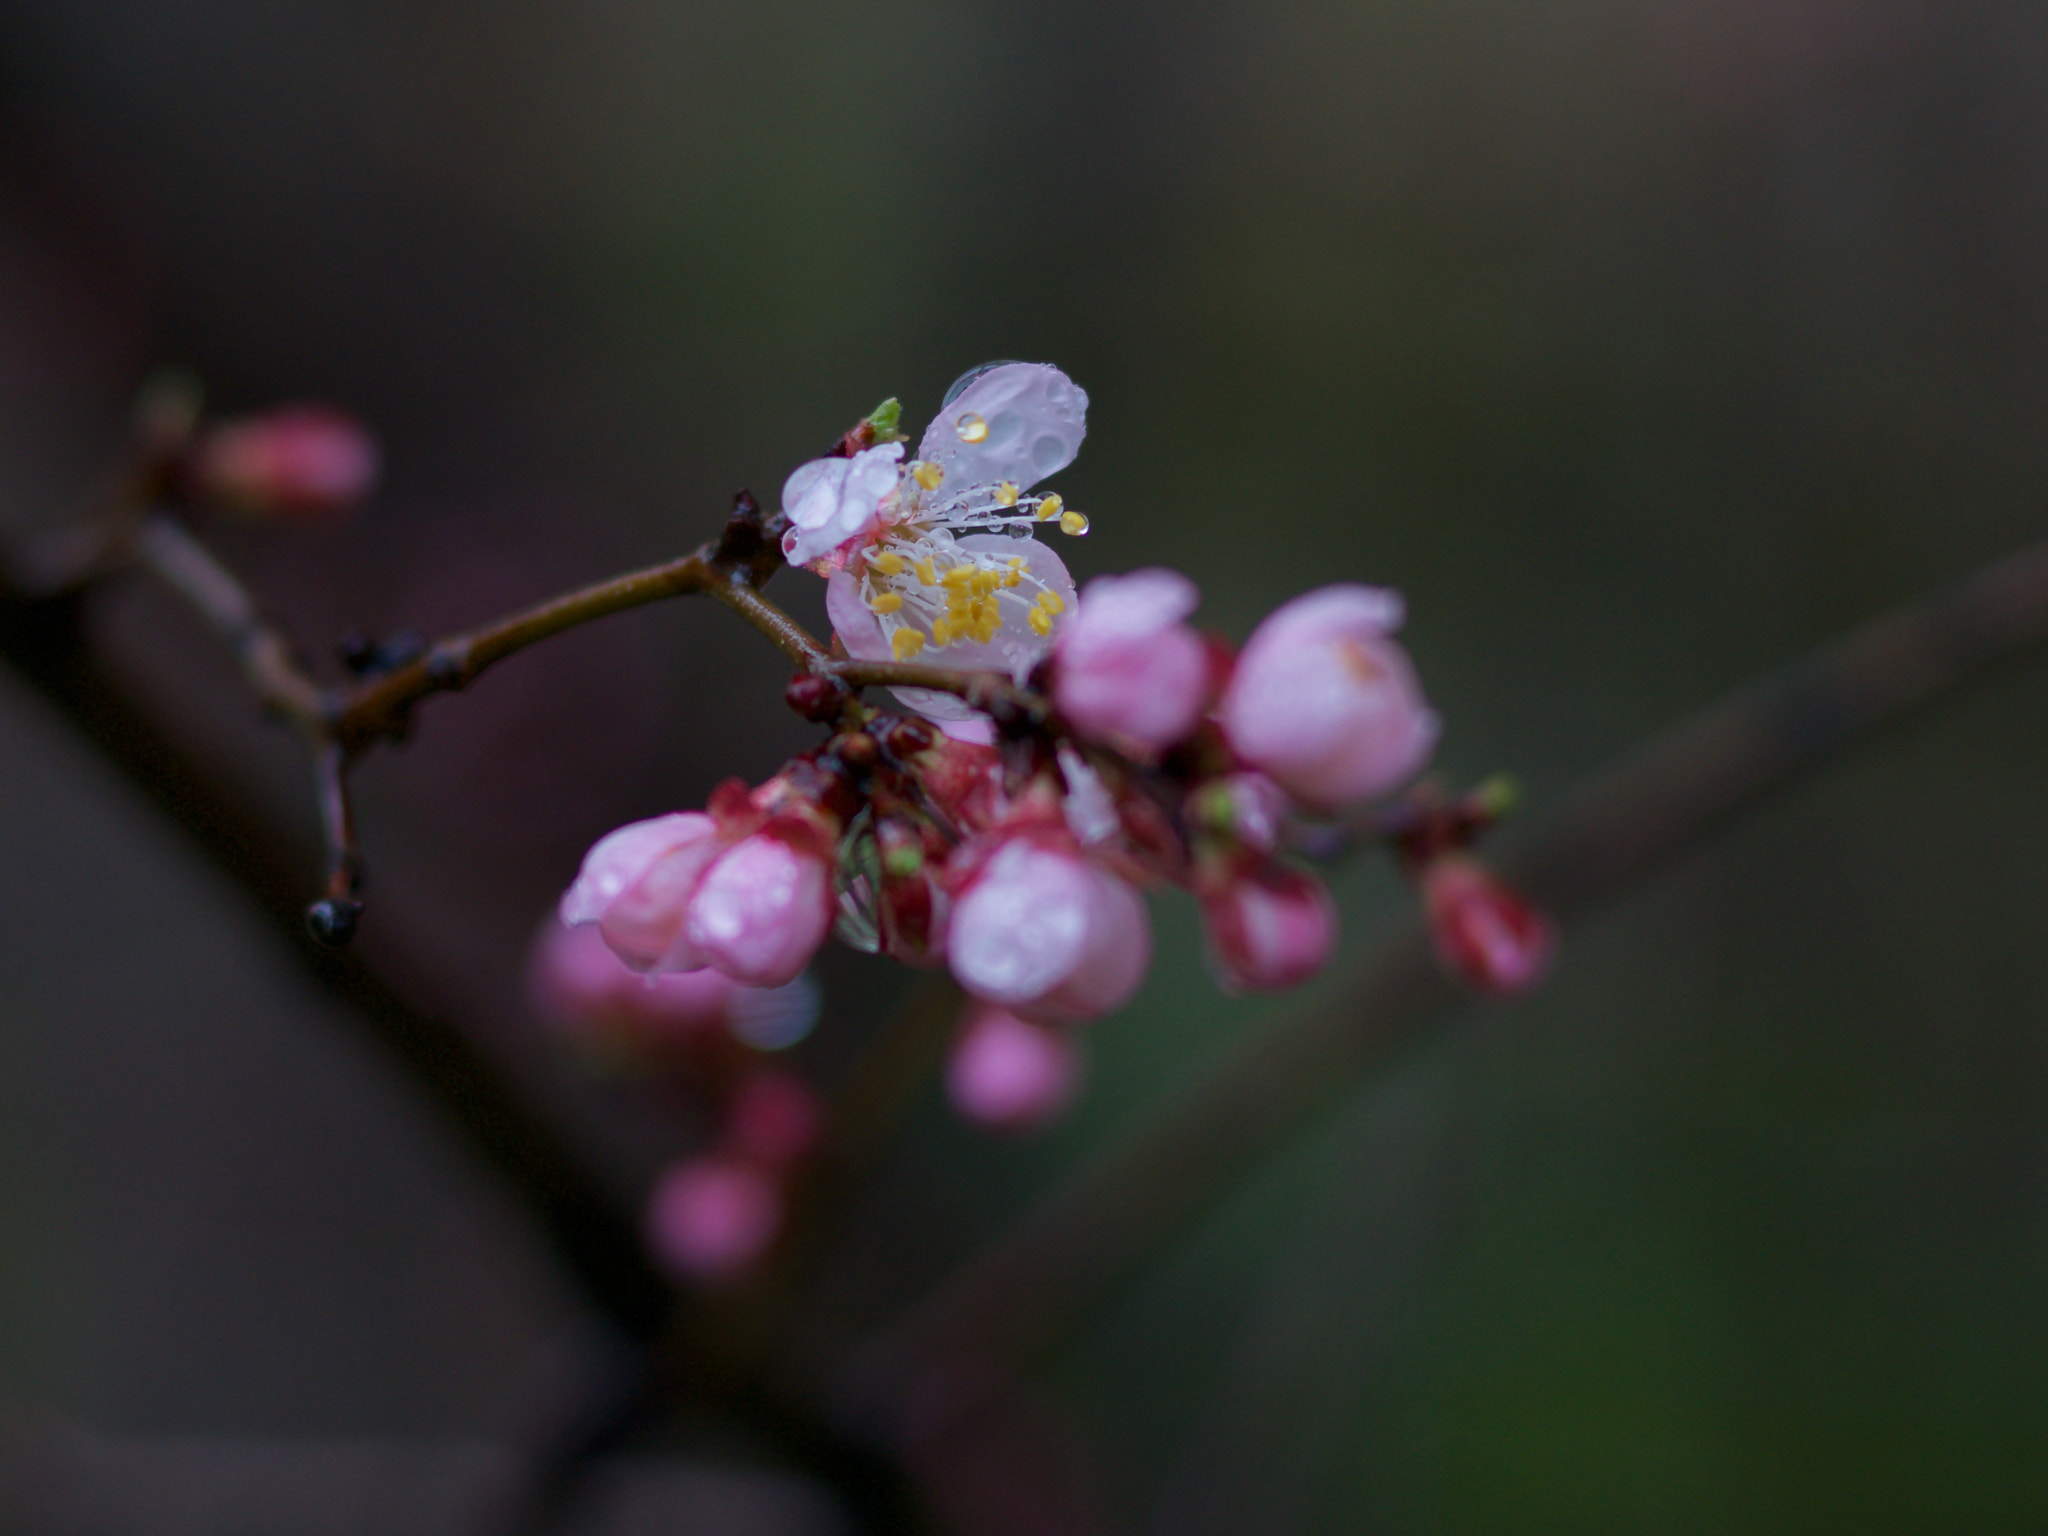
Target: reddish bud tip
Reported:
point(297, 460)
point(815, 698)
point(1485, 933)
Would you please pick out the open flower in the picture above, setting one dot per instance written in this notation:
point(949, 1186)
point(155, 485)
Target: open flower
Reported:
point(934, 558)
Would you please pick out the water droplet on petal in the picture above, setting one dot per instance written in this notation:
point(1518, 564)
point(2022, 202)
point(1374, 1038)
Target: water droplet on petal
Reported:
point(959, 385)
point(970, 428)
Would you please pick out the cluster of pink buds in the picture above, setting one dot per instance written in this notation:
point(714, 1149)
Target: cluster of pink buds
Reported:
point(1114, 748)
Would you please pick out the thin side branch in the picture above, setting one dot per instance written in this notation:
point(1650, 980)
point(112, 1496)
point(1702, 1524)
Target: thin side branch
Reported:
point(162, 544)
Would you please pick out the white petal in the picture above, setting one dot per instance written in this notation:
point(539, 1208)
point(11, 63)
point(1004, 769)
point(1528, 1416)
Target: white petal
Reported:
point(1034, 416)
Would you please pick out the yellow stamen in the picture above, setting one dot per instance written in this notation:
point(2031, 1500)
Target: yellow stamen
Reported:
point(1006, 494)
point(1051, 601)
point(959, 577)
point(1049, 508)
point(887, 602)
point(942, 632)
point(1073, 524)
point(927, 474)
point(1041, 623)
point(906, 643)
point(888, 563)
point(927, 572)
point(969, 429)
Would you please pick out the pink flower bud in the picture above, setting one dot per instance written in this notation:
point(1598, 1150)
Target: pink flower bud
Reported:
point(1129, 671)
point(297, 459)
point(760, 911)
point(1269, 928)
point(1005, 1072)
point(634, 883)
point(774, 1118)
point(1484, 932)
point(579, 983)
point(713, 1218)
point(1050, 936)
point(1325, 703)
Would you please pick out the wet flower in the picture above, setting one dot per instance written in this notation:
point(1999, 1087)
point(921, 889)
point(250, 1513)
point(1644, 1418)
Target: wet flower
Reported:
point(934, 558)
point(1130, 673)
point(678, 893)
point(1324, 702)
point(1048, 934)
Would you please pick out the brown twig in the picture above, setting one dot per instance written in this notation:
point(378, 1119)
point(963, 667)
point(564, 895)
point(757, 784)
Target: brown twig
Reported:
point(1029, 1286)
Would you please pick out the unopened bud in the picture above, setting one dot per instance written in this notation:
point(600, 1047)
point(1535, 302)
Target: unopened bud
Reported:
point(297, 460)
point(1010, 1074)
point(712, 1219)
point(332, 922)
point(1485, 933)
point(815, 698)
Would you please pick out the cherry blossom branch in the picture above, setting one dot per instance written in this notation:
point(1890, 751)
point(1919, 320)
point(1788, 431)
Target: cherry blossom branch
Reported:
point(1030, 1285)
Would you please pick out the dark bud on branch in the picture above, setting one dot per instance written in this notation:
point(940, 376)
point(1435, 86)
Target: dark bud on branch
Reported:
point(332, 921)
point(819, 699)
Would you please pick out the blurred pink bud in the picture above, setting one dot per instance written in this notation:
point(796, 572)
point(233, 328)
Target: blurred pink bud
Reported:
point(774, 1118)
point(713, 1218)
point(760, 911)
point(1325, 703)
point(1129, 671)
point(297, 459)
point(1484, 932)
point(578, 982)
point(1048, 935)
point(1270, 928)
point(634, 883)
point(1006, 1072)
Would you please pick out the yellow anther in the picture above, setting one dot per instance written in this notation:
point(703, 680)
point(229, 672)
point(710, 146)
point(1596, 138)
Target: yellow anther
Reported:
point(969, 429)
point(1041, 622)
point(887, 602)
point(1049, 508)
point(927, 474)
point(1051, 601)
point(927, 572)
point(906, 643)
point(1015, 573)
point(888, 563)
point(1006, 494)
point(1073, 524)
point(942, 632)
point(959, 577)
point(984, 583)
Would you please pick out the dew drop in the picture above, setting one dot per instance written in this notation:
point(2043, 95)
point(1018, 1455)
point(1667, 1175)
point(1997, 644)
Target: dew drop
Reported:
point(1049, 453)
point(970, 428)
